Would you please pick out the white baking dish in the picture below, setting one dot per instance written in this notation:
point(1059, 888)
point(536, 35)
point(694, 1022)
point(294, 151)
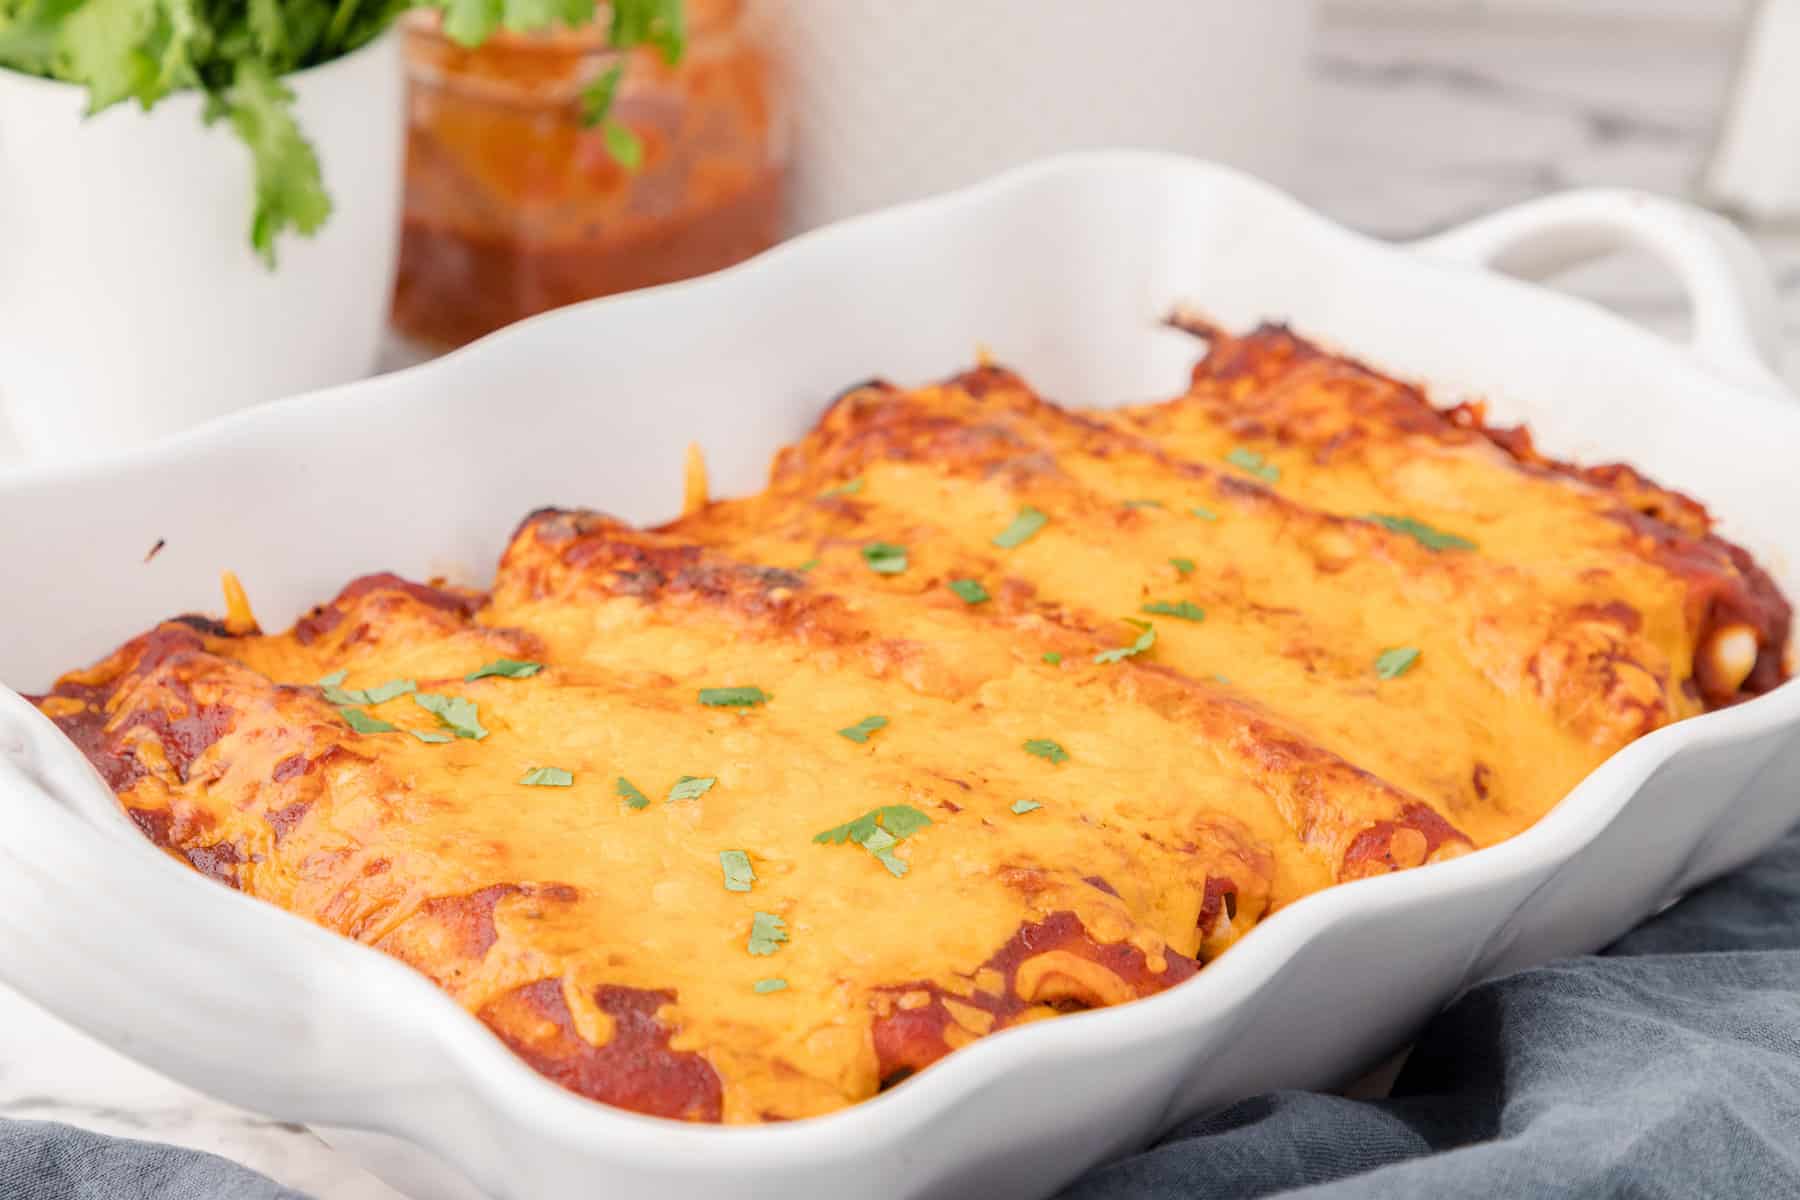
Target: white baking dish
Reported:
point(1062, 269)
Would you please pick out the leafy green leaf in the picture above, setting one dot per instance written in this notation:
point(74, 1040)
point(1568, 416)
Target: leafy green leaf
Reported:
point(1433, 540)
point(1254, 463)
point(1021, 807)
point(1053, 658)
point(1023, 527)
point(763, 987)
point(459, 714)
point(1184, 609)
point(860, 731)
point(885, 558)
point(472, 22)
point(362, 722)
point(289, 191)
point(432, 736)
point(692, 787)
point(1391, 664)
point(623, 144)
point(767, 932)
point(629, 793)
point(739, 874)
point(969, 591)
point(848, 488)
point(878, 831)
point(1045, 748)
point(808, 565)
point(1185, 566)
point(381, 693)
point(1145, 640)
point(548, 777)
point(508, 668)
point(733, 697)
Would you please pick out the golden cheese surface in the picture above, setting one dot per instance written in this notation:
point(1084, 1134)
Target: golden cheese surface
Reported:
point(984, 711)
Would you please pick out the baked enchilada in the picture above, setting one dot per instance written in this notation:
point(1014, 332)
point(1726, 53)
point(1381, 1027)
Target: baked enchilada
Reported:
point(984, 711)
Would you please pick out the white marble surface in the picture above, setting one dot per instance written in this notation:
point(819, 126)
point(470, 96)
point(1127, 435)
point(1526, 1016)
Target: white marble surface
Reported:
point(1428, 112)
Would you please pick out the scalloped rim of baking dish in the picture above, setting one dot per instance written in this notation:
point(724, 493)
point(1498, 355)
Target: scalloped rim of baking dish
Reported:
point(467, 1095)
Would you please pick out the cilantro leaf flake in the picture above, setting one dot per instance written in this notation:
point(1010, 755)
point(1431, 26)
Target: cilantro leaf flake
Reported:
point(1143, 642)
point(969, 591)
point(1023, 528)
point(733, 697)
point(763, 987)
point(1045, 748)
point(506, 668)
point(767, 932)
point(1183, 566)
point(885, 558)
point(692, 787)
point(1433, 540)
point(739, 874)
point(629, 793)
point(1391, 664)
point(1184, 609)
point(860, 731)
point(1254, 463)
point(847, 488)
point(458, 714)
point(362, 722)
point(548, 777)
point(1021, 807)
point(878, 831)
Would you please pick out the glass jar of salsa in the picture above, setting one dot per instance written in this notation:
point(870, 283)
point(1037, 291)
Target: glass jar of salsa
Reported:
point(513, 206)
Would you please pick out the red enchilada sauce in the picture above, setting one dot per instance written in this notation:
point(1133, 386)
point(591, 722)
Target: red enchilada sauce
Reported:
point(513, 207)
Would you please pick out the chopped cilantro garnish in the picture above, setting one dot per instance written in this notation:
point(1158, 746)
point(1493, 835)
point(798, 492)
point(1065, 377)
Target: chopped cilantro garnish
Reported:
point(1183, 565)
point(739, 874)
point(1143, 504)
point(1204, 513)
point(1045, 748)
point(1021, 807)
point(629, 793)
point(733, 697)
point(969, 591)
point(1256, 464)
point(692, 787)
point(457, 713)
point(885, 558)
point(382, 693)
point(1391, 664)
point(843, 489)
point(767, 932)
point(1222, 679)
point(362, 722)
point(860, 731)
point(329, 687)
point(431, 735)
point(510, 668)
point(878, 831)
point(1144, 641)
point(1023, 526)
point(763, 987)
point(1185, 609)
point(806, 566)
point(1432, 539)
point(547, 777)
point(1052, 657)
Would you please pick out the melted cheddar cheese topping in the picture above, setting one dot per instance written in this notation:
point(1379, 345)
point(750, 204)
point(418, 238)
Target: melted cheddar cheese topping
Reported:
point(984, 711)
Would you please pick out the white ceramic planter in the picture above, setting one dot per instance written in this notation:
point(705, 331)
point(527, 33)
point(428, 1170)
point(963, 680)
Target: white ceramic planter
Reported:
point(892, 102)
point(131, 303)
